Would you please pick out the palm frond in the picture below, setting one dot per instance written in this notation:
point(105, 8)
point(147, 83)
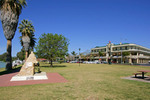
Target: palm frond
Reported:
point(13, 5)
point(27, 29)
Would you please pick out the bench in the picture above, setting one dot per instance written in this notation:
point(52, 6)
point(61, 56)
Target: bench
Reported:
point(137, 74)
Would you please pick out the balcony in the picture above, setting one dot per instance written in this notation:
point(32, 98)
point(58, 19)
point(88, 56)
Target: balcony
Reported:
point(134, 50)
point(135, 56)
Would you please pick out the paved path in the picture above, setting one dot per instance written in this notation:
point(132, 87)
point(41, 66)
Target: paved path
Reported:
point(52, 78)
point(147, 79)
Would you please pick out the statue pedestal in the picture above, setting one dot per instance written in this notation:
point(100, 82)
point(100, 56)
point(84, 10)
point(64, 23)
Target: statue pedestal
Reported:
point(27, 71)
point(36, 76)
point(28, 67)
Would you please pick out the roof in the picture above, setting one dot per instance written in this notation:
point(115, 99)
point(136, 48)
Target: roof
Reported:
point(113, 44)
point(122, 44)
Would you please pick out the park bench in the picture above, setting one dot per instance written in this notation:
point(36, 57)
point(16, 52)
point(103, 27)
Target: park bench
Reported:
point(137, 74)
point(142, 72)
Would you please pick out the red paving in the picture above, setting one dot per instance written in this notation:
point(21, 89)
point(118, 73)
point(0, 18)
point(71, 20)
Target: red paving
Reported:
point(52, 78)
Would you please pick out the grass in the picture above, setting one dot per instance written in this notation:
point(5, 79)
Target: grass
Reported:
point(86, 82)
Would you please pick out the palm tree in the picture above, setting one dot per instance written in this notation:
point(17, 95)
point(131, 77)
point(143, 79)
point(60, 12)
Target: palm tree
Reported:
point(74, 54)
point(32, 42)
point(124, 54)
point(27, 38)
point(10, 11)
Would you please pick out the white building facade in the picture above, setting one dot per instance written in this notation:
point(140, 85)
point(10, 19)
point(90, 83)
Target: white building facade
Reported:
point(122, 53)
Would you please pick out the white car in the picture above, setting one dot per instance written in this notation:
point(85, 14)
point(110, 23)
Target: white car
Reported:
point(16, 62)
point(73, 61)
point(85, 62)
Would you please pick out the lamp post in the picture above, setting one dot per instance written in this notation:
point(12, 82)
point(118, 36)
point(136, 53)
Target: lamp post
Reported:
point(121, 55)
point(109, 52)
point(79, 56)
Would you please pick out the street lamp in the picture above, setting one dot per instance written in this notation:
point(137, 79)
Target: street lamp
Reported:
point(109, 52)
point(79, 56)
point(121, 55)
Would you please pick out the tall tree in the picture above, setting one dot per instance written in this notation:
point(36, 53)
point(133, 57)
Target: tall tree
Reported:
point(27, 39)
point(21, 54)
point(51, 46)
point(10, 11)
point(3, 57)
point(32, 42)
point(74, 54)
point(85, 55)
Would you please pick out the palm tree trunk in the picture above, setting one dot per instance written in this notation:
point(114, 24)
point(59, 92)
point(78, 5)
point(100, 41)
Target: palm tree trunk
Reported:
point(28, 53)
point(26, 56)
point(32, 49)
point(9, 58)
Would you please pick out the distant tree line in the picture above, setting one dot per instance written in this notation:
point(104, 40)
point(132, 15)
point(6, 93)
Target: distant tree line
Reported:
point(3, 57)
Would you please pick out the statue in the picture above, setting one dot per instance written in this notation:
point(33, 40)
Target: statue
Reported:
point(28, 67)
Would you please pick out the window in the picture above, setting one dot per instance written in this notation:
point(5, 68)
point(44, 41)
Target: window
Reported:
point(114, 49)
point(123, 48)
point(120, 48)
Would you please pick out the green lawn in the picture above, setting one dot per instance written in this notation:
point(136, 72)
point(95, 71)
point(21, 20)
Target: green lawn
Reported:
point(86, 82)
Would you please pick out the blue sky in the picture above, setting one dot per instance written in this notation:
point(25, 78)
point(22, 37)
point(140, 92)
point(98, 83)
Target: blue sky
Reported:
point(87, 23)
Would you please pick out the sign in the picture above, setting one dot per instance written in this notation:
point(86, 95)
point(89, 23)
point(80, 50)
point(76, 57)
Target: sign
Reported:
point(29, 64)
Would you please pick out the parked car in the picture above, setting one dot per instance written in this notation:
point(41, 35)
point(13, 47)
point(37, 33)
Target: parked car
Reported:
point(85, 62)
point(104, 62)
point(89, 62)
point(16, 62)
point(73, 61)
point(79, 62)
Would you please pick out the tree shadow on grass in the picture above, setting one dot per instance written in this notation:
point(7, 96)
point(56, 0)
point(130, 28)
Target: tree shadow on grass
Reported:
point(54, 66)
point(59, 66)
point(10, 71)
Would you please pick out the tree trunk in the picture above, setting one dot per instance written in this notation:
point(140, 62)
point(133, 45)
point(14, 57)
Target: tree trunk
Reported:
point(9, 58)
point(51, 63)
point(32, 49)
point(26, 55)
point(9, 21)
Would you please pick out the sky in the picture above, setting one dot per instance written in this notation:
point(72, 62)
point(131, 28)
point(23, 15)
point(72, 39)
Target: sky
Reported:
point(86, 23)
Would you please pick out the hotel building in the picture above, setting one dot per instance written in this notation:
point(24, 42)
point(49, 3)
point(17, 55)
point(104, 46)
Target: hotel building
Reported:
point(122, 53)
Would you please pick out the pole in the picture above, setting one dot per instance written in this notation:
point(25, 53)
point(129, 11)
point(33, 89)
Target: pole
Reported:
point(79, 56)
point(121, 55)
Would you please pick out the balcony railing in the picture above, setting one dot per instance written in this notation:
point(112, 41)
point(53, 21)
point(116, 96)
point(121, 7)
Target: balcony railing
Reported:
point(133, 56)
